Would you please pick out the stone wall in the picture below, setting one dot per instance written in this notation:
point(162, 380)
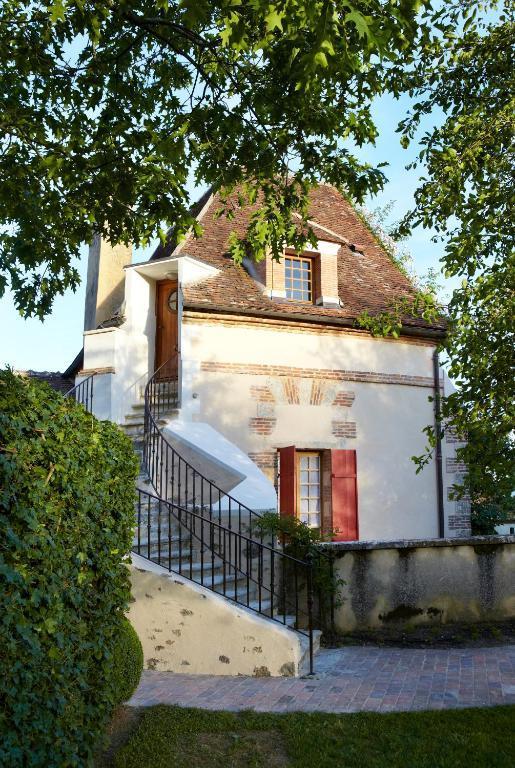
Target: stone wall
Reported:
point(397, 584)
point(186, 628)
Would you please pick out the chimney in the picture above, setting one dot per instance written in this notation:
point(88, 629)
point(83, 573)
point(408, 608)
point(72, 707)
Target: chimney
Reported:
point(105, 287)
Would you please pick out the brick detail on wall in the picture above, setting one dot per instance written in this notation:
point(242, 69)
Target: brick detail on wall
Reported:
point(328, 274)
point(373, 377)
point(460, 524)
point(451, 436)
point(453, 465)
point(317, 392)
point(262, 394)
point(344, 399)
point(450, 495)
point(291, 391)
point(271, 273)
point(262, 425)
point(268, 463)
point(344, 428)
point(264, 459)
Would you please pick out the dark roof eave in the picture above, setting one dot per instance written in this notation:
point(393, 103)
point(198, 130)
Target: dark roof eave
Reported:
point(346, 322)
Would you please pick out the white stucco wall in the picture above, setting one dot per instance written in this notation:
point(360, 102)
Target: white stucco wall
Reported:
point(393, 500)
point(127, 350)
point(186, 628)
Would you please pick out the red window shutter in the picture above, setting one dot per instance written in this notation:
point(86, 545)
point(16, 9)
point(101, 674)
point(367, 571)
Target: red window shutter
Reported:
point(287, 481)
point(344, 495)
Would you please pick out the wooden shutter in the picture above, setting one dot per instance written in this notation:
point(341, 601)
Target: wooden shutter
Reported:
point(344, 495)
point(287, 480)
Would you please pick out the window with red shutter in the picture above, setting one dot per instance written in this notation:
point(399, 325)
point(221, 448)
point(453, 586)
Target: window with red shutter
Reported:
point(344, 495)
point(300, 485)
point(287, 481)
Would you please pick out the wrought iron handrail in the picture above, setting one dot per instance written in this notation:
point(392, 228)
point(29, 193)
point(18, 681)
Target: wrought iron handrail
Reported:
point(83, 392)
point(253, 574)
point(172, 476)
point(180, 486)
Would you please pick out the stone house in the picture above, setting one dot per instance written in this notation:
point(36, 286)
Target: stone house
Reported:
point(250, 388)
point(280, 397)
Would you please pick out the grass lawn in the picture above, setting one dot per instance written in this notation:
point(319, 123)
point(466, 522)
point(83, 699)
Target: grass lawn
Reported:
point(172, 737)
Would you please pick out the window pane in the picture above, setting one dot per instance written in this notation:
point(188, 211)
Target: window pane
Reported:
point(304, 476)
point(304, 505)
point(297, 295)
point(304, 461)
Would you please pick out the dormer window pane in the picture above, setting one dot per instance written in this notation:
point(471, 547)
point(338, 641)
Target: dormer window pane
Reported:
point(298, 278)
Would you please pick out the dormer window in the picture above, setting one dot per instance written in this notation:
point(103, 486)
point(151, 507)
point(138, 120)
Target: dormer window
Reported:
point(298, 278)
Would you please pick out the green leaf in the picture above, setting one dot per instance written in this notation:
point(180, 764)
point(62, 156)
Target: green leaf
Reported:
point(57, 11)
point(359, 22)
point(274, 19)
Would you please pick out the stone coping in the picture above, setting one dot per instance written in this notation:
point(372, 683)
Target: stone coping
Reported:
point(466, 541)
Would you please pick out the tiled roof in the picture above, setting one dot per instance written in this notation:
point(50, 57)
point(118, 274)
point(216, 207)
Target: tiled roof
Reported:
point(367, 277)
point(55, 379)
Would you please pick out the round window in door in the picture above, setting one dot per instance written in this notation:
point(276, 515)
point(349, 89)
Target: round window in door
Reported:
point(172, 301)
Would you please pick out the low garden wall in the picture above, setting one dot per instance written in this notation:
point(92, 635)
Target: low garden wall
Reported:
point(395, 584)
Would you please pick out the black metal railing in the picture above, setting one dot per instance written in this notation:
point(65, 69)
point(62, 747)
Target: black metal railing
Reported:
point(192, 521)
point(83, 393)
point(173, 477)
point(248, 572)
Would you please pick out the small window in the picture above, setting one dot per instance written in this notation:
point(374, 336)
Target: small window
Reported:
point(308, 488)
point(298, 278)
point(172, 301)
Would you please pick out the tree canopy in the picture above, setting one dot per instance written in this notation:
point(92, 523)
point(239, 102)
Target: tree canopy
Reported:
point(468, 196)
point(107, 109)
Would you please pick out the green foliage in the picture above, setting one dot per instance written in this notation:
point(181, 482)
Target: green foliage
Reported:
point(467, 196)
point(108, 108)
point(485, 517)
point(422, 305)
point(127, 662)
point(66, 518)
point(303, 542)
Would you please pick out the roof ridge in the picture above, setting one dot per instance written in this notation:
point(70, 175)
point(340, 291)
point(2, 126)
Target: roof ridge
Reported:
point(209, 196)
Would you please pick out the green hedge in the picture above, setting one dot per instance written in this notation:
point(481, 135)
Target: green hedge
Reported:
point(66, 517)
point(127, 662)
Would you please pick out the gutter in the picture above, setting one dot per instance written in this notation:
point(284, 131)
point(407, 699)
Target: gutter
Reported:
point(345, 322)
point(438, 456)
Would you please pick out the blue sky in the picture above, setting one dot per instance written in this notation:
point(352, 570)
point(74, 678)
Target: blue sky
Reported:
point(53, 344)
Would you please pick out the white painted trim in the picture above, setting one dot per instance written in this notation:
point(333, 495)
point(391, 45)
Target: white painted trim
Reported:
point(328, 301)
point(168, 268)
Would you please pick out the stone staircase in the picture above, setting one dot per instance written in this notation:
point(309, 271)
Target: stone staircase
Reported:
point(190, 548)
point(186, 556)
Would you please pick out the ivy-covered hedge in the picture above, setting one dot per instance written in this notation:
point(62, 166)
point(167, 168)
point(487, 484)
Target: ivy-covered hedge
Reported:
point(66, 517)
point(127, 662)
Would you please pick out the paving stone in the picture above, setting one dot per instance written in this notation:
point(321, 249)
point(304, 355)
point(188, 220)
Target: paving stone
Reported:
point(352, 679)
